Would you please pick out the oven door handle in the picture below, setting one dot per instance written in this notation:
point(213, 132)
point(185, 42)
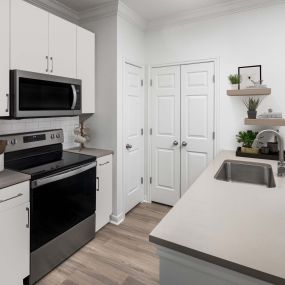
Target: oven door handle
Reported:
point(74, 97)
point(63, 175)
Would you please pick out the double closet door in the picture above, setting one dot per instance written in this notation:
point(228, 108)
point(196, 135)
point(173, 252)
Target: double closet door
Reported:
point(182, 121)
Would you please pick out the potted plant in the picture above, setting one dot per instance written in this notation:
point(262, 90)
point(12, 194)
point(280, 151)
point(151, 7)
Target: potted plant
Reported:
point(247, 138)
point(235, 80)
point(252, 105)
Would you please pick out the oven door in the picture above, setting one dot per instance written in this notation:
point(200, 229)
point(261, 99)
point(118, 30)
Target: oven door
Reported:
point(60, 202)
point(41, 95)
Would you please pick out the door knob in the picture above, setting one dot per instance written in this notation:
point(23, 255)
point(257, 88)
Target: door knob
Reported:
point(184, 143)
point(175, 143)
point(128, 146)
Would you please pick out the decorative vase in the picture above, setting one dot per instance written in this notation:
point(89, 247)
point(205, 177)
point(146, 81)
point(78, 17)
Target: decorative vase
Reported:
point(235, 86)
point(251, 150)
point(251, 114)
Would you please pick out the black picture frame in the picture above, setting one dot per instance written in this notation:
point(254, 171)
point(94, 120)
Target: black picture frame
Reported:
point(250, 66)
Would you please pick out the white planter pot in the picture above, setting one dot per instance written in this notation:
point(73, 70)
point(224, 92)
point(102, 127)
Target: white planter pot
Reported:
point(1, 162)
point(235, 86)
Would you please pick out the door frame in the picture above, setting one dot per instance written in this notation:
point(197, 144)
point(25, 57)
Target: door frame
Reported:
point(125, 61)
point(216, 119)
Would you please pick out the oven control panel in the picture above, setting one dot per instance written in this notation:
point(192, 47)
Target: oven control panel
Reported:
point(31, 140)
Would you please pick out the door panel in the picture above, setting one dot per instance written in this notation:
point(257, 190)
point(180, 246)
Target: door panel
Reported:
point(134, 122)
point(29, 37)
point(197, 120)
point(166, 130)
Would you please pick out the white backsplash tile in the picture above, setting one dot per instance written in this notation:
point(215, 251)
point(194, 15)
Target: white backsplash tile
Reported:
point(30, 125)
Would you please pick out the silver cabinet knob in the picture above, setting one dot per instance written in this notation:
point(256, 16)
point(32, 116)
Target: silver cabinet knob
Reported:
point(175, 143)
point(184, 143)
point(128, 146)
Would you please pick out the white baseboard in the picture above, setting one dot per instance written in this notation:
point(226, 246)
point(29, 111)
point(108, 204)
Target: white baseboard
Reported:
point(116, 220)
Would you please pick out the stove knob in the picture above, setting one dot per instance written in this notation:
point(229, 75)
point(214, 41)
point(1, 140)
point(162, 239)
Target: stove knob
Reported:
point(13, 141)
point(58, 136)
point(52, 136)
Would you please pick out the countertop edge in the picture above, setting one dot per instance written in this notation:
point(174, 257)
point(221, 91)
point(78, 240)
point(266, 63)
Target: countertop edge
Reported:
point(88, 151)
point(218, 261)
point(13, 178)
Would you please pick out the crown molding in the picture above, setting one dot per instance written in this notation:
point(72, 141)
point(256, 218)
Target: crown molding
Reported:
point(131, 16)
point(99, 11)
point(56, 8)
point(211, 11)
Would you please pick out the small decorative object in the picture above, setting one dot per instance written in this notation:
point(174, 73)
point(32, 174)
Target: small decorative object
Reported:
point(2, 149)
point(251, 76)
point(234, 80)
point(264, 150)
point(271, 115)
point(81, 135)
point(273, 147)
point(252, 105)
point(247, 138)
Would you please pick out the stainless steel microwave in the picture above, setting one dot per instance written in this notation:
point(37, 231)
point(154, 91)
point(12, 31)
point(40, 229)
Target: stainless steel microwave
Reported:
point(35, 95)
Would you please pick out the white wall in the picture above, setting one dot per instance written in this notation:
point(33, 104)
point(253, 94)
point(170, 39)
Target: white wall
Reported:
point(248, 38)
point(131, 48)
point(30, 125)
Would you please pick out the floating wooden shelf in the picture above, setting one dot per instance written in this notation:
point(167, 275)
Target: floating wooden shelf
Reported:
point(250, 92)
point(265, 122)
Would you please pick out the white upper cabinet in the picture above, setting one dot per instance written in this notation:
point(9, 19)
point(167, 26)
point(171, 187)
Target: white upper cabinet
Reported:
point(4, 58)
point(29, 37)
point(86, 68)
point(62, 47)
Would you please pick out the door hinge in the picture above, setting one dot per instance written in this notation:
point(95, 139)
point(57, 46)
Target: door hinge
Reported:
point(142, 132)
point(214, 135)
point(150, 131)
point(150, 180)
point(141, 180)
point(151, 82)
point(214, 78)
point(141, 82)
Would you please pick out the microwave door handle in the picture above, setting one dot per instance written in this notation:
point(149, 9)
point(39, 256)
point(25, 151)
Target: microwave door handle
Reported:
point(74, 97)
point(62, 175)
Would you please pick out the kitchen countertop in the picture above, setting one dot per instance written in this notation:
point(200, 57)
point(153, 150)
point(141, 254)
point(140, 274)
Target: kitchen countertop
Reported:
point(92, 151)
point(235, 225)
point(10, 177)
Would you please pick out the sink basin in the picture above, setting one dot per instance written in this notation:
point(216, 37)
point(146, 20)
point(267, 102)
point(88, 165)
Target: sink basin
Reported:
point(246, 172)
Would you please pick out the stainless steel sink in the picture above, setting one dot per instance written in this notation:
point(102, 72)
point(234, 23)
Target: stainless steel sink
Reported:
point(247, 172)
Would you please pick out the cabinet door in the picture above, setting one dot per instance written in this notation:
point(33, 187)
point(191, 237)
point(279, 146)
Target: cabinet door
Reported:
point(4, 57)
point(29, 37)
point(104, 191)
point(15, 245)
point(86, 68)
point(62, 47)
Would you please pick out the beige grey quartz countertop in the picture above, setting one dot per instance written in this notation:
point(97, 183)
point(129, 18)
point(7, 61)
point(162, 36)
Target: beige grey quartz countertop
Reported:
point(235, 225)
point(10, 177)
point(91, 151)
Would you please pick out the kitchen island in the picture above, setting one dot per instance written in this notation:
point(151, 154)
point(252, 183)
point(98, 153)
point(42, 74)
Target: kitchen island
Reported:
point(223, 233)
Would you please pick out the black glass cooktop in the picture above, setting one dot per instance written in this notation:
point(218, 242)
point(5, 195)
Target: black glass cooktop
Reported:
point(44, 163)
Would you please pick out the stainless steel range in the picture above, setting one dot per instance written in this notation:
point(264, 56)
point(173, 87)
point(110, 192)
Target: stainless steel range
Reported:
point(62, 196)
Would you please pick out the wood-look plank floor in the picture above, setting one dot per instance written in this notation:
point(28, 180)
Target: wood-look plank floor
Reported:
point(119, 255)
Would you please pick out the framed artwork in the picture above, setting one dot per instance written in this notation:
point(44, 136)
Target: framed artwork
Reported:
point(249, 75)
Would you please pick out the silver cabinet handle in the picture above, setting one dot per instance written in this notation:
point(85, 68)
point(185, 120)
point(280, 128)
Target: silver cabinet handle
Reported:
point(128, 146)
point(51, 59)
point(11, 198)
point(184, 143)
point(102, 164)
point(28, 211)
point(175, 143)
point(47, 64)
point(74, 97)
point(8, 103)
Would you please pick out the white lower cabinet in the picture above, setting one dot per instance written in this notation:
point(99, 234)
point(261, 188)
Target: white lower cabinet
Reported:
point(14, 234)
point(104, 191)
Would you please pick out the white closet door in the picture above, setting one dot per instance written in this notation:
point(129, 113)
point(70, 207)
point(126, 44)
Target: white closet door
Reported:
point(197, 120)
point(166, 135)
point(134, 139)
point(62, 47)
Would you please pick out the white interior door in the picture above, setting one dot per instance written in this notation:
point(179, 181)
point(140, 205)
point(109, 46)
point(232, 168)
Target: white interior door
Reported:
point(197, 120)
point(134, 138)
point(165, 93)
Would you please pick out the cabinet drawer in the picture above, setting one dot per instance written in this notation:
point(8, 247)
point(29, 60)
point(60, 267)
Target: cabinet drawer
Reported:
point(15, 195)
point(104, 161)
